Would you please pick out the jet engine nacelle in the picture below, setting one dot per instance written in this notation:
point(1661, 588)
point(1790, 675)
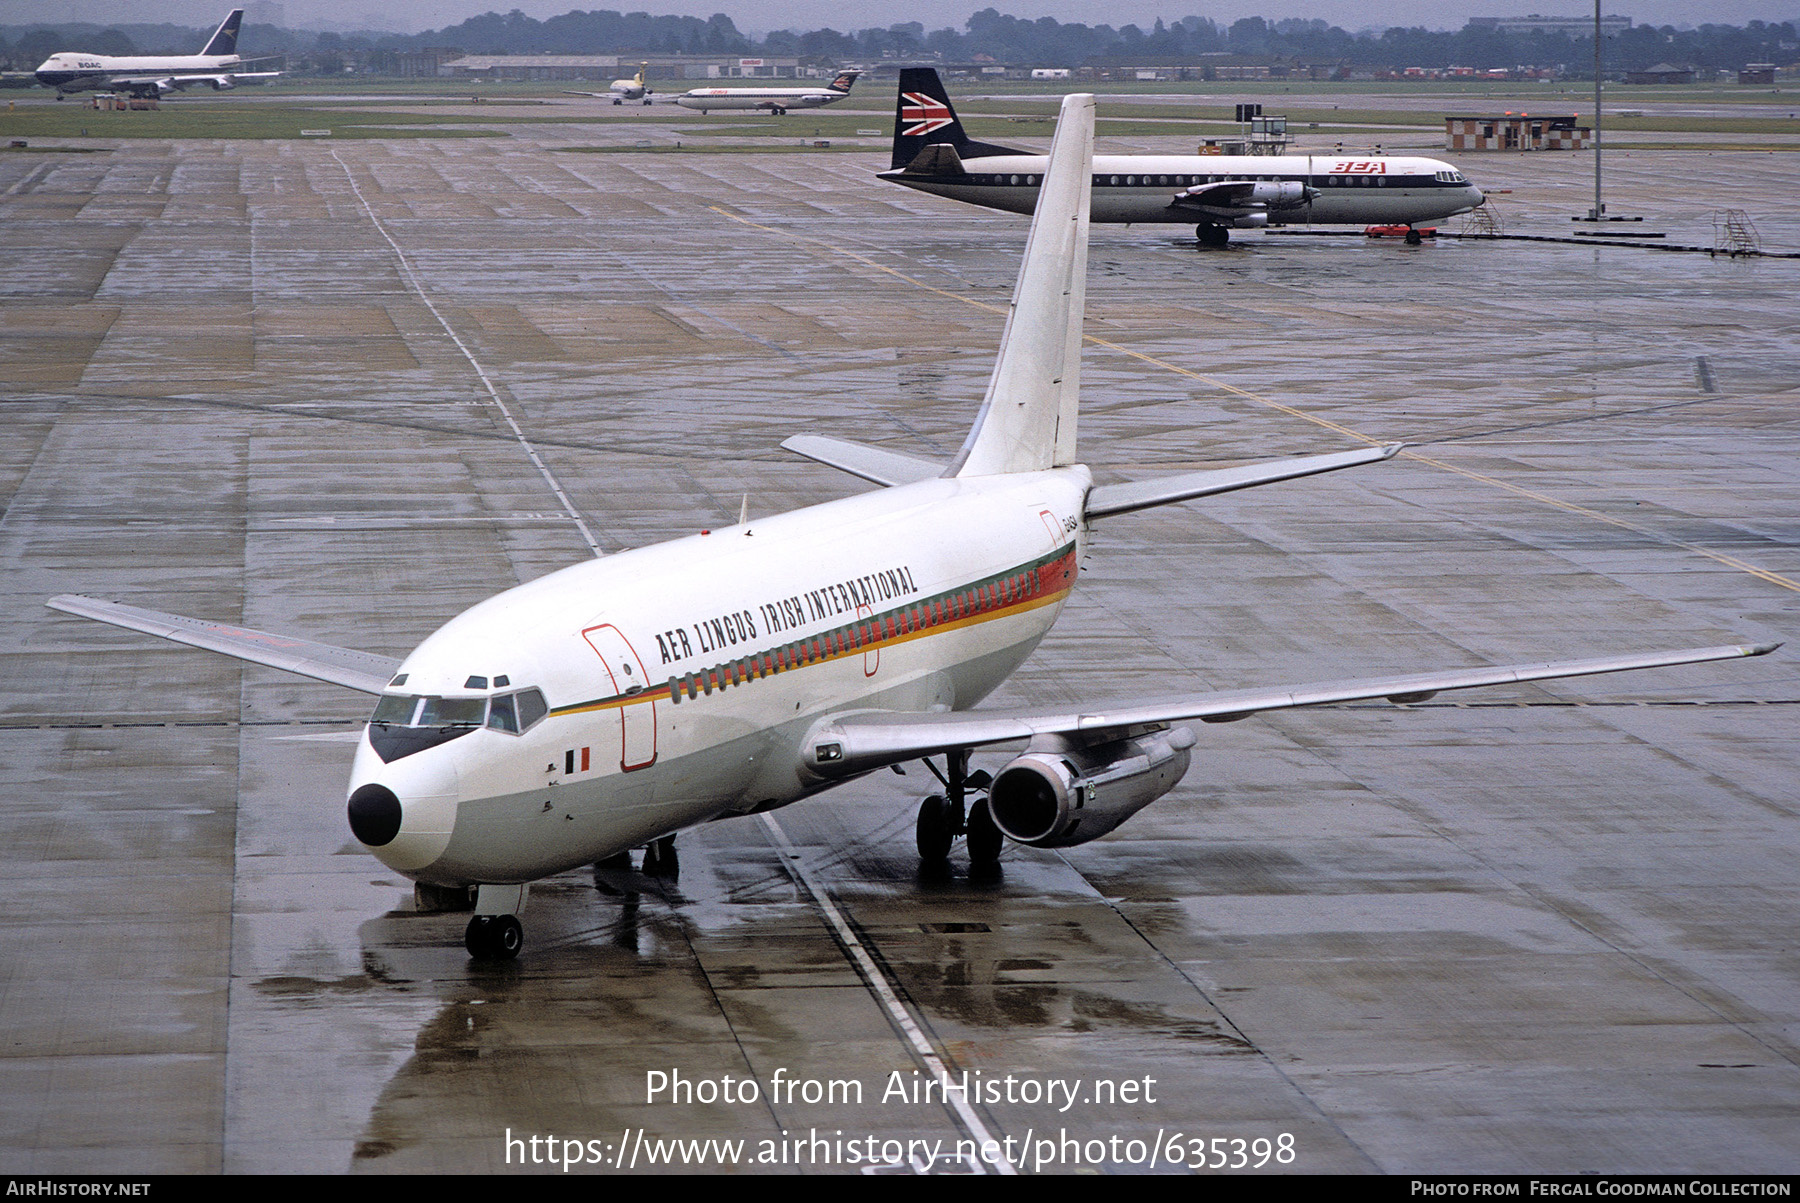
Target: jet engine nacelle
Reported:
point(1279, 193)
point(1061, 795)
point(1251, 221)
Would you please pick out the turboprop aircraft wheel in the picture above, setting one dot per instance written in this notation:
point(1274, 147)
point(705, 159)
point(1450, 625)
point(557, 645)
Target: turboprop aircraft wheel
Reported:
point(660, 859)
point(936, 829)
point(1413, 237)
point(1213, 235)
point(984, 838)
point(494, 937)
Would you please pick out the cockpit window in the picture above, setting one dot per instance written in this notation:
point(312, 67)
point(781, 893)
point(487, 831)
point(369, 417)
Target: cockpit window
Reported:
point(395, 708)
point(407, 723)
point(502, 716)
point(453, 712)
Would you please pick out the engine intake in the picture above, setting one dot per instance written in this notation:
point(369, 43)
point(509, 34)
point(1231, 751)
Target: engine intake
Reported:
point(1060, 795)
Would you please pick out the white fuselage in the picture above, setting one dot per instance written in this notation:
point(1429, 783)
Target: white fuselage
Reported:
point(73, 71)
point(681, 679)
point(706, 99)
point(1340, 189)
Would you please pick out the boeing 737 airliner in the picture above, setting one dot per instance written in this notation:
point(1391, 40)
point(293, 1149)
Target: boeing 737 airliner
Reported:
point(613, 703)
point(146, 75)
point(1214, 193)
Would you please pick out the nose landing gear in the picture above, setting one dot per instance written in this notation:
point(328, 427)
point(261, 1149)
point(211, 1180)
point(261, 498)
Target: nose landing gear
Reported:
point(495, 933)
point(494, 937)
point(942, 817)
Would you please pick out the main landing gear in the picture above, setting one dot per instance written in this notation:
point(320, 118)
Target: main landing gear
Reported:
point(660, 859)
point(1212, 235)
point(942, 817)
point(1413, 238)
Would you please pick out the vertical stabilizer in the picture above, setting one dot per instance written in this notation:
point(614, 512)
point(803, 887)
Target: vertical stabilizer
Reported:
point(224, 39)
point(1027, 422)
point(924, 117)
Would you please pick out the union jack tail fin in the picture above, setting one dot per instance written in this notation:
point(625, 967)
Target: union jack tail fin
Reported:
point(844, 81)
point(923, 116)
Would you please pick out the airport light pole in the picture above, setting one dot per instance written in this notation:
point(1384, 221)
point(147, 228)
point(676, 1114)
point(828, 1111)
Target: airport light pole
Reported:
point(1599, 208)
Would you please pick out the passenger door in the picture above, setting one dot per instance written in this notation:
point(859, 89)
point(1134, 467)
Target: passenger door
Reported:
point(637, 711)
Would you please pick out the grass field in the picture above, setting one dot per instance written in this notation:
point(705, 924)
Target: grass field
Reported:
point(405, 109)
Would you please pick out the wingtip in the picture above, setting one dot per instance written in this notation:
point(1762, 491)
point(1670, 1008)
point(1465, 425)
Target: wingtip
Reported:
point(1760, 649)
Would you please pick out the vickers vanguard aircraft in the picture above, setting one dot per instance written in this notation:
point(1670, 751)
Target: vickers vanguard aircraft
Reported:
point(608, 705)
point(149, 75)
point(776, 100)
point(1214, 193)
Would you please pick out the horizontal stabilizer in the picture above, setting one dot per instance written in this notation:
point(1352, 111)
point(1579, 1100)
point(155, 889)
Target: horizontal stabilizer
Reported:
point(1104, 500)
point(870, 463)
point(321, 661)
point(858, 742)
point(938, 158)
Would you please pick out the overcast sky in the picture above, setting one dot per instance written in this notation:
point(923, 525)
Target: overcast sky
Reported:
point(759, 16)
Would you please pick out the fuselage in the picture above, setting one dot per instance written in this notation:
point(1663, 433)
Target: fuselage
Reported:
point(677, 683)
point(73, 71)
point(705, 99)
point(1333, 189)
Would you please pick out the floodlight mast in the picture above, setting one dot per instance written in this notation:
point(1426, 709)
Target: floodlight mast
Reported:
point(1599, 209)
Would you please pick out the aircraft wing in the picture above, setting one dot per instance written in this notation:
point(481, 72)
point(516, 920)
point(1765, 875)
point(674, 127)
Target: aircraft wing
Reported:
point(321, 661)
point(870, 463)
point(179, 80)
point(162, 83)
point(1225, 194)
point(857, 742)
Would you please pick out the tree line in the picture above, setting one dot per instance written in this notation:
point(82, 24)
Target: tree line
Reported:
point(1043, 41)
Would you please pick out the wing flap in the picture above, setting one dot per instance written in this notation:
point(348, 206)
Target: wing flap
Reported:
point(1104, 500)
point(858, 742)
point(870, 463)
point(362, 671)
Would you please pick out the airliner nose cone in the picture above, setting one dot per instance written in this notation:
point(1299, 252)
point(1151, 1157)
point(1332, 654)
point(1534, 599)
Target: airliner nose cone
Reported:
point(374, 815)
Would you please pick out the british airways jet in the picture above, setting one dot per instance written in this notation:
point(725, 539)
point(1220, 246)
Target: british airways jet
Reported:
point(776, 100)
point(611, 704)
point(1214, 193)
point(148, 75)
